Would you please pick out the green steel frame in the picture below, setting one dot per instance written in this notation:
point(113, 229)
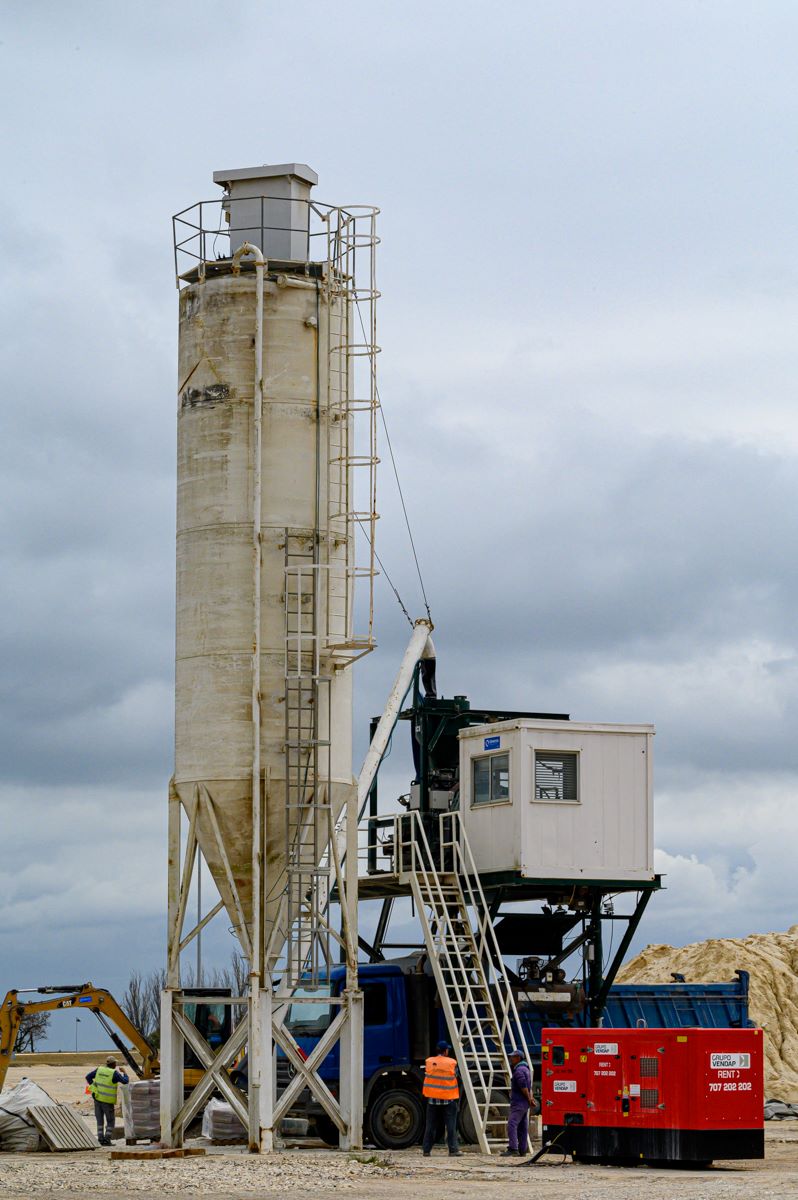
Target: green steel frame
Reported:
point(436, 724)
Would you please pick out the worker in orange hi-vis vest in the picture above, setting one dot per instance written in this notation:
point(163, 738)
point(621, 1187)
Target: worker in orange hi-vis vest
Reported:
point(442, 1093)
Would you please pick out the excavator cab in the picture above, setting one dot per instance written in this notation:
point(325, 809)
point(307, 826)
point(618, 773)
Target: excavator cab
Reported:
point(214, 1022)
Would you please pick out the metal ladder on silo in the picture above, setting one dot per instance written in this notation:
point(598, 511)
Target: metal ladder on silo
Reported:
point(351, 442)
point(473, 983)
point(307, 792)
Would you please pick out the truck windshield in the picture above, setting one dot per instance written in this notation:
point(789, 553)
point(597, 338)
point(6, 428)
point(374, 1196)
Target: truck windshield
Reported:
point(309, 1018)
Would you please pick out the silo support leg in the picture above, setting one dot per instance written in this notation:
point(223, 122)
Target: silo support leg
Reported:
point(352, 1073)
point(261, 1071)
point(171, 1055)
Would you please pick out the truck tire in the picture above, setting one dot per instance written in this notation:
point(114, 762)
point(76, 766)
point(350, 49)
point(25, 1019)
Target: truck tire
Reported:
point(395, 1120)
point(465, 1122)
point(326, 1129)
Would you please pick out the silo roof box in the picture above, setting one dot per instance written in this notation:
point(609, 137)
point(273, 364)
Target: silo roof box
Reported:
point(269, 206)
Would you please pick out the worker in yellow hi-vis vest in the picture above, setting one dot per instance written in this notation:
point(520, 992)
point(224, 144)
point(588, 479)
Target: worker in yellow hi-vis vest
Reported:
point(103, 1084)
point(442, 1093)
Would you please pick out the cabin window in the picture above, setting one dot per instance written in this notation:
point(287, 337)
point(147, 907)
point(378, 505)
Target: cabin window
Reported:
point(375, 1004)
point(557, 776)
point(491, 779)
point(309, 1019)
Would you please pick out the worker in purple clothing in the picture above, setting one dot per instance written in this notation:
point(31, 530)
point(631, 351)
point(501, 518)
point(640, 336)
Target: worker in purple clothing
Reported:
point(520, 1104)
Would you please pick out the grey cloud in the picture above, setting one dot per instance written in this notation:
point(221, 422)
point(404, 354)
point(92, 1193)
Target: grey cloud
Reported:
point(587, 266)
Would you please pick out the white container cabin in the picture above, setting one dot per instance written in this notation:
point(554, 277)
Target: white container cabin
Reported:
point(559, 800)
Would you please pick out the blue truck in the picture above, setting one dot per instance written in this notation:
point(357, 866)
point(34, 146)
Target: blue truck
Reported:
point(403, 1020)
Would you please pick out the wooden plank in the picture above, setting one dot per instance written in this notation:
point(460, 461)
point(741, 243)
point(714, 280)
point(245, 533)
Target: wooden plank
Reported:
point(144, 1153)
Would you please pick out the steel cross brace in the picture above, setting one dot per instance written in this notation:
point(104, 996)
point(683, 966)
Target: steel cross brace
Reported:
point(306, 1070)
point(215, 1065)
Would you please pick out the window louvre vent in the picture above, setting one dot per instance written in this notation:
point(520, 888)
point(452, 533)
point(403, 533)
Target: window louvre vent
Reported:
point(649, 1097)
point(555, 776)
point(649, 1068)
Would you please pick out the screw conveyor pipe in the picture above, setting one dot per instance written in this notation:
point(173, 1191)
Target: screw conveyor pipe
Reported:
point(247, 249)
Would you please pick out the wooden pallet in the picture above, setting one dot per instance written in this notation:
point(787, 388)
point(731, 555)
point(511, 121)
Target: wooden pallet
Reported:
point(62, 1128)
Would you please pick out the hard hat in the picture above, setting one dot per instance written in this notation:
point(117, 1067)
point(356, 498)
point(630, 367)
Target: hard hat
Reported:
point(443, 1045)
point(110, 1061)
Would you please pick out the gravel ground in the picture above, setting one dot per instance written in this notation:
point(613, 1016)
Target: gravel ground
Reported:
point(306, 1173)
point(303, 1174)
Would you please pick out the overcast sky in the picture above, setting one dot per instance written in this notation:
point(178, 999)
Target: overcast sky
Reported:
point(589, 268)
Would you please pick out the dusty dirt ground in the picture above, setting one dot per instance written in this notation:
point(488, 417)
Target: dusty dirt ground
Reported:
point(306, 1173)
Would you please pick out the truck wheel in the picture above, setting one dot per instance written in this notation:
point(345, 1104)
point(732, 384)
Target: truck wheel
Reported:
point(465, 1126)
point(465, 1122)
point(396, 1120)
point(326, 1129)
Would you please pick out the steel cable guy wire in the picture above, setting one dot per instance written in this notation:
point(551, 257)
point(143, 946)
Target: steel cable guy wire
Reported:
point(387, 576)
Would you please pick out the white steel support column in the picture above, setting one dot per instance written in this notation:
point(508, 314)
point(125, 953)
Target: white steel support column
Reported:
point(261, 1070)
point(173, 888)
point(171, 1057)
point(352, 1036)
point(352, 1071)
point(171, 1045)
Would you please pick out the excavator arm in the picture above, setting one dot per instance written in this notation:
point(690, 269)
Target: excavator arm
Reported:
point(84, 996)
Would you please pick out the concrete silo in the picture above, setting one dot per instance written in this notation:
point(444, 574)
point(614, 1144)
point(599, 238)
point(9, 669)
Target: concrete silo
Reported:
point(276, 472)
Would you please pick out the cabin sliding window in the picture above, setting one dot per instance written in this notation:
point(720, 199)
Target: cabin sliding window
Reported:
point(557, 776)
point(491, 779)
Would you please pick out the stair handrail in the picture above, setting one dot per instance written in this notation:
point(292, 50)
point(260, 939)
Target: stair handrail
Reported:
point(430, 871)
point(475, 896)
point(420, 851)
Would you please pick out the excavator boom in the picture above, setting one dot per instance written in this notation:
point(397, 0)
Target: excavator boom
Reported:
point(82, 996)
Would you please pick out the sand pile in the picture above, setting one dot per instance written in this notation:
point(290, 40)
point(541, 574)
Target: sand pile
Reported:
point(772, 962)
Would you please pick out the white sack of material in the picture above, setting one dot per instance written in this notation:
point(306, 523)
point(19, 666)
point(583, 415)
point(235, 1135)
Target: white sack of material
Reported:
point(141, 1109)
point(220, 1123)
point(17, 1131)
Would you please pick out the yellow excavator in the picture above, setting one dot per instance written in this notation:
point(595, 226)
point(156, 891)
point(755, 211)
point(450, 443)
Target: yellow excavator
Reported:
point(212, 1020)
point(83, 996)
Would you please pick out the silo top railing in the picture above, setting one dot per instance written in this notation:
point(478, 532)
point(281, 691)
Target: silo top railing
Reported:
point(335, 237)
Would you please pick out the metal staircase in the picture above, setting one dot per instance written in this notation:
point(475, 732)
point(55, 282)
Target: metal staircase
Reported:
point(433, 856)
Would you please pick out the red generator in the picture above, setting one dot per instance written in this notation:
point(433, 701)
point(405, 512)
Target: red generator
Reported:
point(653, 1095)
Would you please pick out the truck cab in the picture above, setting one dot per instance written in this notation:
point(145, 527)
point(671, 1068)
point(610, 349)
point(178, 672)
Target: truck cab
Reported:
point(402, 1022)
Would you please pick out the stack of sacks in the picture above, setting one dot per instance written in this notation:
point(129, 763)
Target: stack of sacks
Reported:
point(141, 1110)
point(220, 1124)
